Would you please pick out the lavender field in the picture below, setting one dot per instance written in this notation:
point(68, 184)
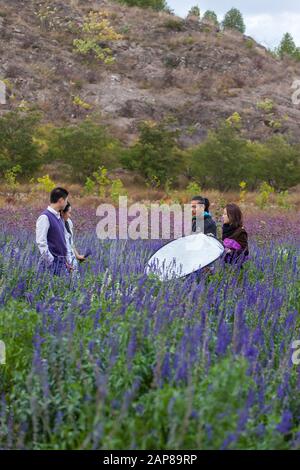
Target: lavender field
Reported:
point(116, 360)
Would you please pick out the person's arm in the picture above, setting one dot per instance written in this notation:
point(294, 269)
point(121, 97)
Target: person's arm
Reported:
point(42, 227)
point(78, 256)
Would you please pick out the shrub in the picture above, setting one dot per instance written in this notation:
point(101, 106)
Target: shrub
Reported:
point(89, 186)
point(102, 181)
point(223, 149)
point(265, 191)
point(194, 11)
point(234, 20)
point(116, 190)
point(211, 16)
point(85, 147)
point(10, 178)
point(193, 189)
point(234, 120)
point(156, 153)
point(282, 200)
point(266, 105)
point(243, 191)
point(45, 184)
point(287, 46)
point(157, 5)
point(174, 24)
point(95, 30)
point(250, 43)
point(275, 161)
point(281, 163)
point(17, 145)
point(81, 103)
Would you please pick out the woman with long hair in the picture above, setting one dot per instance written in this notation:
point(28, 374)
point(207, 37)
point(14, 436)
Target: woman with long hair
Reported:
point(72, 254)
point(234, 235)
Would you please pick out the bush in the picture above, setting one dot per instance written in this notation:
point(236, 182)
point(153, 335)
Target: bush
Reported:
point(89, 186)
point(265, 191)
point(157, 5)
point(287, 47)
point(101, 179)
point(194, 11)
point(223, 149)
point(81, 103)
point(10, 178)
point(243, 191)
point(275, 161)
point(282, 200)
point(17, 144)
point(174, 24)
point(95, 30)
point(234, 20)
point(104, 186)
point(85, 147)
point(45, 184)
point(266, 105)
point(281, 163)
point(211, 16)
point(250, 43)
point(193, 189)
point(156, 154)
point(116, 190)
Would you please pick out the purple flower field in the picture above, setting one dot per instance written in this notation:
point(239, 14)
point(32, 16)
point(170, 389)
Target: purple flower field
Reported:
point(118, 360)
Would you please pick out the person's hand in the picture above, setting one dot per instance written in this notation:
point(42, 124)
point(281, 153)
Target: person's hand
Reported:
point(69, 267)
point(80, 258)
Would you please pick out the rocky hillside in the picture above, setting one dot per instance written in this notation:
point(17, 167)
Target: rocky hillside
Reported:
point(165, 66)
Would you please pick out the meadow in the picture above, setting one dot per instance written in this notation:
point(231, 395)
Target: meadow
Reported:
point(118, 360)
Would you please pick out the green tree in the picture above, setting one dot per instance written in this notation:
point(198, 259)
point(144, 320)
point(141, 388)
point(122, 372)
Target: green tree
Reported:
point(194, 11)
point(274, 161)
point(17, 144)
point(234, 20)
point(157, 5)
point(287, 46)
point(221, 161)
point(84, 147)
point(281, 163)
point(211, 16)
point(155, 155)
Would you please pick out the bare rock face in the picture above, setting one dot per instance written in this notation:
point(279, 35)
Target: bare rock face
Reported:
point(164, 67)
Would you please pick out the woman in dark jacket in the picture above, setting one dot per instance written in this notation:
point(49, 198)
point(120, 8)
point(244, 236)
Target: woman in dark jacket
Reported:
point(234, 235)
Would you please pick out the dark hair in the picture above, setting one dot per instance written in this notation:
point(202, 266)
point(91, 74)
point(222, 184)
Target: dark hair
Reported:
point(207, 204)
point(57, 193)
point(202, 200)
point(66, 209)
point(235, 215)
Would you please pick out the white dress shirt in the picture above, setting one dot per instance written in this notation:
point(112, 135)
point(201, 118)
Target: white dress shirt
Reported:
point(42, 227)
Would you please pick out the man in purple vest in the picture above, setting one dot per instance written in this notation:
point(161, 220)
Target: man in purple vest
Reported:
point(50, 234)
